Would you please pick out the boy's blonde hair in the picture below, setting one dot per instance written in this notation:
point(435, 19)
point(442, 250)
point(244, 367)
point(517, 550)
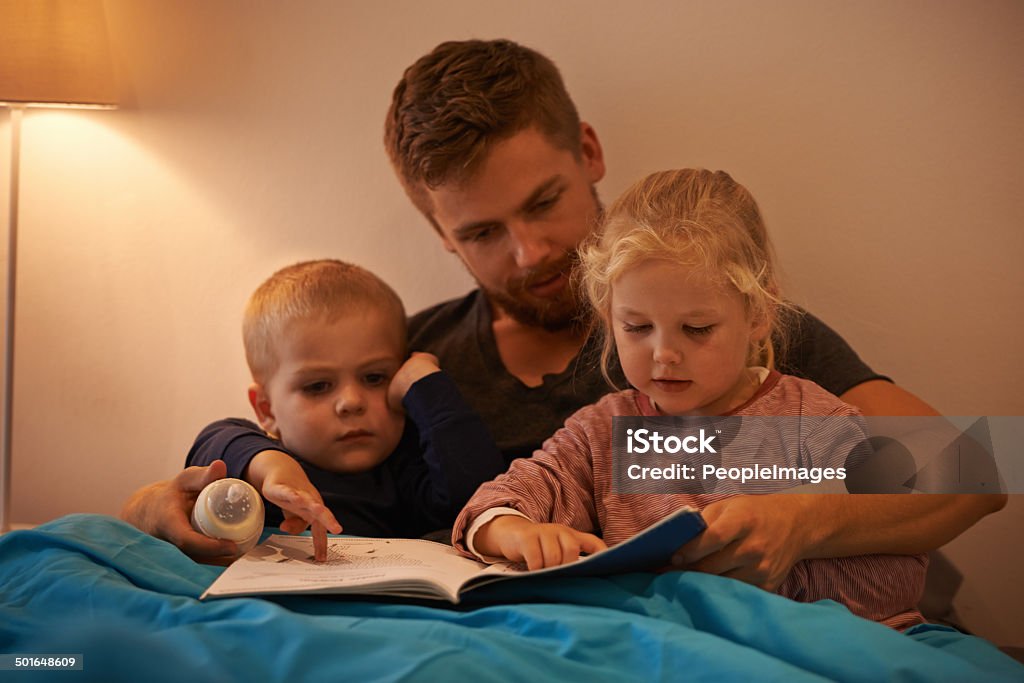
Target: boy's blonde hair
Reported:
point(693, 217)
point(324, 289)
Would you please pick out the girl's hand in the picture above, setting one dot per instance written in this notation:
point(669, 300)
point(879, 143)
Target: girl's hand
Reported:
point(283, 482)
point(538, 545)
point(416, 367)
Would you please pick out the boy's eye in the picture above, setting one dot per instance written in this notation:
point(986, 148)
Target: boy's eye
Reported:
point(376, 379)
point(698, 331)
point(635, 329)
point(315, 388)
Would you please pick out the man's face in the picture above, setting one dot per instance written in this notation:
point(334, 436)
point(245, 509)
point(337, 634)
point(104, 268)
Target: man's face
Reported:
point(516, 223)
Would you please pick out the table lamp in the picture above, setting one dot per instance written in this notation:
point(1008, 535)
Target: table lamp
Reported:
point(53, 53)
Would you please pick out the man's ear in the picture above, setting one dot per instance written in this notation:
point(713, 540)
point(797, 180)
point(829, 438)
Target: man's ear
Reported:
point(591, 153)
point(260, 402)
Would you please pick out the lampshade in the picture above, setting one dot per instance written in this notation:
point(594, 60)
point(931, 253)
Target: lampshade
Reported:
point(54, 52)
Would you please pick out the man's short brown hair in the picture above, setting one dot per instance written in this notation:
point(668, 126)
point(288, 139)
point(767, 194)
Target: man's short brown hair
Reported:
point(457, 101)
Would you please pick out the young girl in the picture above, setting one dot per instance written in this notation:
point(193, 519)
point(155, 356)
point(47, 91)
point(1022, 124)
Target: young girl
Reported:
point(683, 282)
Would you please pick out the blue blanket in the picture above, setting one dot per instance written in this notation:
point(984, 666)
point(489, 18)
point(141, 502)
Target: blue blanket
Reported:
point(92, 585)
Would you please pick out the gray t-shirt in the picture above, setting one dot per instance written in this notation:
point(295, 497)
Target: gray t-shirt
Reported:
point(520, 418)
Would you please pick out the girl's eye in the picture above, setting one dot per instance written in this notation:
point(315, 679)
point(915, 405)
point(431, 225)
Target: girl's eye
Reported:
point(634, 329)
point(375, 379)
point(698, 331)
point(316, 388)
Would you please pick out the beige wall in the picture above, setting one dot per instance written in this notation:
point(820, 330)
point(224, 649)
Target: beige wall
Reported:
point(883, 140)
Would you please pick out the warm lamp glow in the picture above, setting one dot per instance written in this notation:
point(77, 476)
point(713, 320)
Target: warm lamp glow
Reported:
point(55, 52)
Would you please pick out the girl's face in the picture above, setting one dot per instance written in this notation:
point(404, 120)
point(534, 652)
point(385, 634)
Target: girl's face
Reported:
point(683, 339)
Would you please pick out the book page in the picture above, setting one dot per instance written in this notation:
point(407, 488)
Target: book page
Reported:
point(424, 569)
point(284, 564)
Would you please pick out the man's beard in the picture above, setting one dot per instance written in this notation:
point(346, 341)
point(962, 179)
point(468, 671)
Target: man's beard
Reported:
point(553, 314)
point(560, 312)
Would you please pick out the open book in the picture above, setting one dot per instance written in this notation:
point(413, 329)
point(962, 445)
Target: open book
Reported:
point(423, 569)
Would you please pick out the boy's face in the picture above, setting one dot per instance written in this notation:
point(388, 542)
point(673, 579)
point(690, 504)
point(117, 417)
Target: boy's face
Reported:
point(327, 400)
point(516, 223)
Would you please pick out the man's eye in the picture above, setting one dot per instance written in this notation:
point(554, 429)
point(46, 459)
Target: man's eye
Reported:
point(545, 204)
point(698, 331)
point(482, 235)
point(635, 329)
point(315, 388)
point(376, 379)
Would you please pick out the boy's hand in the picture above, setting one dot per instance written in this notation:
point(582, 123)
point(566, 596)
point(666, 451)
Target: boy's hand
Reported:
point(283, 482)
point(538, 545)
point(416, 367)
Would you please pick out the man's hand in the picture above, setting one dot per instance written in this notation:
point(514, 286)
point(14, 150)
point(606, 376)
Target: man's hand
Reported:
point(416, 367)
point(756, 539)
point(283, 482)
point(538, 545)
point(164, 510)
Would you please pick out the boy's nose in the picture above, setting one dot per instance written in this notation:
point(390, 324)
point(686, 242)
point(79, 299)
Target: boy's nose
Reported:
point(350, 401)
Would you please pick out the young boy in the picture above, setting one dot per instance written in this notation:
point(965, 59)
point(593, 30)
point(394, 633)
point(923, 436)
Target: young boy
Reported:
point(325, 343)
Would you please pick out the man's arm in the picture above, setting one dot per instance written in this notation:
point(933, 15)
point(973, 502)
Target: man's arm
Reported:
point(940, 518)
point(758, 539)
point(880, 397)
point(895, 524)
point(163, 510)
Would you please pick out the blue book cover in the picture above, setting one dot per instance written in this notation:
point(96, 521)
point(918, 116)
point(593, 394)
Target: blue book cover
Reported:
point(650, 550)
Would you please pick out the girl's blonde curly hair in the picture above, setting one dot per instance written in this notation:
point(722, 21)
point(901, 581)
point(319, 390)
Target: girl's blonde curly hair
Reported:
point(693, 217)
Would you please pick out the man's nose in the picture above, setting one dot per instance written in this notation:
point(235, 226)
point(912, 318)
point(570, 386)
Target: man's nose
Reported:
point(530, 245)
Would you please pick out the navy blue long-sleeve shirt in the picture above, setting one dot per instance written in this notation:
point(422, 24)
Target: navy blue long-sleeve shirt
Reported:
point(444, 454)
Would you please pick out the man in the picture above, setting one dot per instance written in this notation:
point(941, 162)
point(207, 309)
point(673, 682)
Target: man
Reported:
point(488, 145)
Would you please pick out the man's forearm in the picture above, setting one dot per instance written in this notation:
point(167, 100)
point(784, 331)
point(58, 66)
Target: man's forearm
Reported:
point(898, 524)
point(879, 397)
point(135, 510)
point(864, 524)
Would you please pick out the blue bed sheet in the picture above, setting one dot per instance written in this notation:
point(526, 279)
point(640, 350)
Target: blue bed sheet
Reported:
point(92, 585)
